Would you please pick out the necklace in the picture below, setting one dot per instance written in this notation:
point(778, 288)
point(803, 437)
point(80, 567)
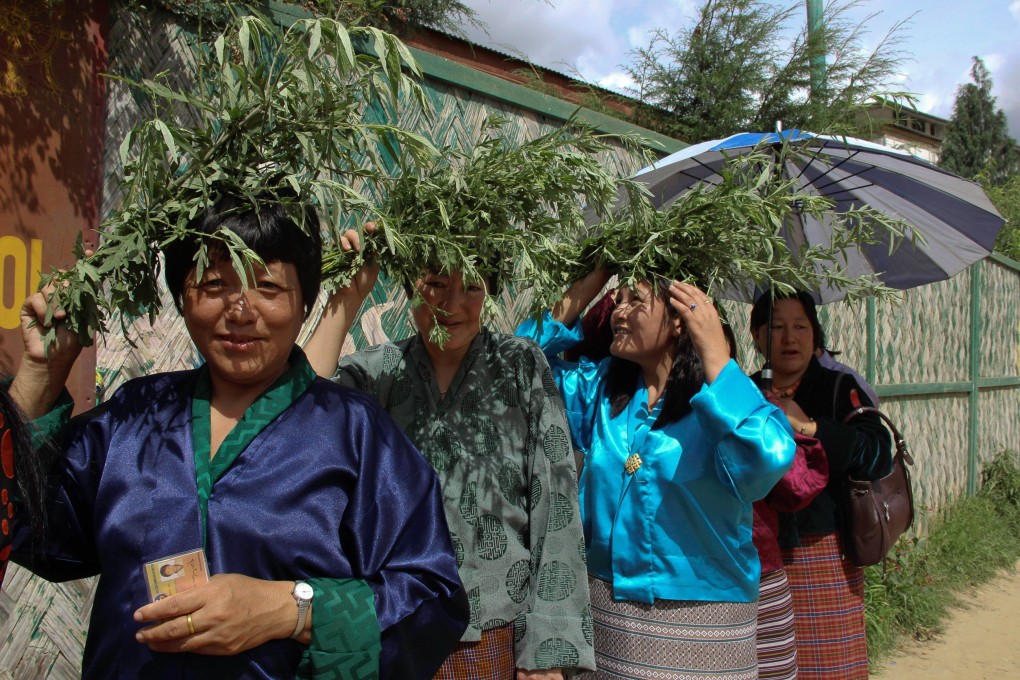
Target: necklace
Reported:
point(785, 392)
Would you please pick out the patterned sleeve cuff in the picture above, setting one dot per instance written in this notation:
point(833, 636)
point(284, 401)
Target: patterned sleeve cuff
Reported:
point(50, 426)
point(346, 641)
point(546, 642)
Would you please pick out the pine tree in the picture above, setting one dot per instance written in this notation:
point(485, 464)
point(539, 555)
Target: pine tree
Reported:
point(977, 138)
point(1006, 198)
point(746, 64)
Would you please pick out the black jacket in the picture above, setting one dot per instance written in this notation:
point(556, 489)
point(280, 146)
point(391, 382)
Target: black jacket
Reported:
point(861, 449)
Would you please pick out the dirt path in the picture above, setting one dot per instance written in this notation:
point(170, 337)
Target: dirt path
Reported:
point(980, 641)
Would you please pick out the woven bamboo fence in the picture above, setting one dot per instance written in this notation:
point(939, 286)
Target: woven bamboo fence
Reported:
point(931, 368)
point(945, 361)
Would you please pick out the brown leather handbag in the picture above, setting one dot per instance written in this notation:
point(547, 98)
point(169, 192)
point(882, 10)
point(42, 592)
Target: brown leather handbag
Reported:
point(876, 513)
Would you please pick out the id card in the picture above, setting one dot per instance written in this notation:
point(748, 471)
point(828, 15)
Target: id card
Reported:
point(176, 573)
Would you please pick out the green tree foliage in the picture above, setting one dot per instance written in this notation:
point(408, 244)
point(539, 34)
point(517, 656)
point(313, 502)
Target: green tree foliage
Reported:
point(746, 64)
point(977, 145)
point(510, 212)
point(1006, 197)
point(977, 139)
point(289, 114)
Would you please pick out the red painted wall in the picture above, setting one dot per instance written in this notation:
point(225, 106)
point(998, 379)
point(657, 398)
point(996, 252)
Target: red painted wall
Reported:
point(52, 113)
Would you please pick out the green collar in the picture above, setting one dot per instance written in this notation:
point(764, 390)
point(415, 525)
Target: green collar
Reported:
point(271, 403)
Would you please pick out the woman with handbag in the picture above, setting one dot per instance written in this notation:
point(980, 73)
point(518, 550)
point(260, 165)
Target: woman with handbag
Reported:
point(828, 591)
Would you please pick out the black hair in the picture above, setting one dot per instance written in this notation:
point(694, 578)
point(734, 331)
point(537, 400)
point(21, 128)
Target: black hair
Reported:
point(30, 464)
point(731, 340)
point(268, 230)
point(760, 313)
point(685, 377)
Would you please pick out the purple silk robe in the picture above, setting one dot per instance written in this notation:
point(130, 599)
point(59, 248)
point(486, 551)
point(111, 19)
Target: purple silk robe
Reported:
point(329, 489)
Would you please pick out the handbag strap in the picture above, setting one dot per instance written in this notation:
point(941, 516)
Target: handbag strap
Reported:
point(835, 392)
point(901, 444)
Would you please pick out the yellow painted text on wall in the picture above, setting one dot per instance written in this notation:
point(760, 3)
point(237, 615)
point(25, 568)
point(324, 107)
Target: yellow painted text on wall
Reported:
point(20, 264)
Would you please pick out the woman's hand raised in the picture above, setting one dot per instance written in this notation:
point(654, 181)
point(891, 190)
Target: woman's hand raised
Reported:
point(43, 371)
point(577, 298)
point(364, 281)
point(799, 421)
point(701, 320)
point(323, 348)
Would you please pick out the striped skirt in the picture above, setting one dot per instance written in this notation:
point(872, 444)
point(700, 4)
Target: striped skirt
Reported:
point(672, 639)
point(828, 608)
point(491, 658)
point(777, 644)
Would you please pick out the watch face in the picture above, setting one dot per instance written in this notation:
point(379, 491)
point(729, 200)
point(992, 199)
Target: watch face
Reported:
point(303, 591)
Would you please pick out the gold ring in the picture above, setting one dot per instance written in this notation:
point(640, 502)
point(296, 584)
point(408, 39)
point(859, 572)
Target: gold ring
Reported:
point(191, 626)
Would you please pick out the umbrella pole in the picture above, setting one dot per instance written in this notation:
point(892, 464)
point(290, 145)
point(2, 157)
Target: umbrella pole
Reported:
point(766, 369)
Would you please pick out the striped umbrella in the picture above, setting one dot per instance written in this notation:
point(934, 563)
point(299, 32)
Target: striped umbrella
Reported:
point(956, 220)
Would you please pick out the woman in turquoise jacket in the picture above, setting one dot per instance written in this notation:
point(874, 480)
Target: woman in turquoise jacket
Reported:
point(677, 444)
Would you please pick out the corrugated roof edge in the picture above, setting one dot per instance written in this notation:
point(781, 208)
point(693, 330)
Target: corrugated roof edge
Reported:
point(442, 69)
point(439, 68)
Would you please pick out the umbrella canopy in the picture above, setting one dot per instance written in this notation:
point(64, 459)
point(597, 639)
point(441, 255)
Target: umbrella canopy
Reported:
point(955, 219)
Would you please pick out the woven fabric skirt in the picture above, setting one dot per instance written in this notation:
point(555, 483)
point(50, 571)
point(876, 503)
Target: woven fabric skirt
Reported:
point(777, 643)
point(491, 658)
point(672, 639)
point(828, 608)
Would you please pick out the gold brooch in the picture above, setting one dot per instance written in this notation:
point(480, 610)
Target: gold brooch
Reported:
point(632, 464)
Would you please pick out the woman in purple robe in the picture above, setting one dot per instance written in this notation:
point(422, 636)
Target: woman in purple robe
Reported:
point(321, 525)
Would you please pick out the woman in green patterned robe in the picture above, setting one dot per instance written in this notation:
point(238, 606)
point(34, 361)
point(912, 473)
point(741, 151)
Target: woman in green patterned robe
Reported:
point(483, 409)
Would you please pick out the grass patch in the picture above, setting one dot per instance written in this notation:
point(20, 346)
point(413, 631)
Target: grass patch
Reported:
point(967, 544)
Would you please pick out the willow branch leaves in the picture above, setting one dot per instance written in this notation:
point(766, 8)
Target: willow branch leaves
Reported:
point(497, 210)
point(733, 236)
point(272, 112)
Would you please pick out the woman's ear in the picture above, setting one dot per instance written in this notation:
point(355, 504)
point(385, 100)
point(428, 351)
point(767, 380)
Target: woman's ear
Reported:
point(676, 326)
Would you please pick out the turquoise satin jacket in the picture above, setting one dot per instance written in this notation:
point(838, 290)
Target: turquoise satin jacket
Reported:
point(679, 527)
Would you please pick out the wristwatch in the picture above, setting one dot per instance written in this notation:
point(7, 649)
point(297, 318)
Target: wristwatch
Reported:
point(303, 597)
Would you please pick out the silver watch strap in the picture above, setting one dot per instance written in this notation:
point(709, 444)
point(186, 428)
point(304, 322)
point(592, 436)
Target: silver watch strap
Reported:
point(302, 614)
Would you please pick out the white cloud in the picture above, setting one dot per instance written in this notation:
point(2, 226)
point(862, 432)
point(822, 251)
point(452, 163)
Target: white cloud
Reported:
point(1014, 9)
point(570, 34)
point(935, 104)
point(617, 81)
point(1007, 90)
point(993, 62)
point(594, 37)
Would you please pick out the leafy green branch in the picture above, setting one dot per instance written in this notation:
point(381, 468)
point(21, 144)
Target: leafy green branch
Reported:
point(497, 212)
point(735, 235)
point(274, 114)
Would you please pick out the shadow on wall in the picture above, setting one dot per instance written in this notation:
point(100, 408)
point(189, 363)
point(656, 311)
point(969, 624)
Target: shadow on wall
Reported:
point(50, 90)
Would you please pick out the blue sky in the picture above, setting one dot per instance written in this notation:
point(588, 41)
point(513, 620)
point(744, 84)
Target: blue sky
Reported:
point(594, 37)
